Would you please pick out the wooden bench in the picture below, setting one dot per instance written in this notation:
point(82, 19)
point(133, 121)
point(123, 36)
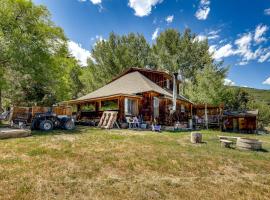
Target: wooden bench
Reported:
point(221, 137)
point(226, 143)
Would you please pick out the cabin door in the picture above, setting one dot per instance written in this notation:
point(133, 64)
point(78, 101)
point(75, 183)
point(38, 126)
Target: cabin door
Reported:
point(235, 125)
point(156, 107)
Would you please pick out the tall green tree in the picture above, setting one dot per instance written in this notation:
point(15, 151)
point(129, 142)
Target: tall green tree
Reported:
point(263, 114)
point(35, 66)
point(236, 99)
point(175, 51)
point(111, 57)
point(208, 88)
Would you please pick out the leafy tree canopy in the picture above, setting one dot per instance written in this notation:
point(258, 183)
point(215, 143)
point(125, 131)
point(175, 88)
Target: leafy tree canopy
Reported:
point(34, 61)
point(113, 56)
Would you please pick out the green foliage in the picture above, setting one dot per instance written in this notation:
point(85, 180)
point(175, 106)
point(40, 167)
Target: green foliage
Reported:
point(35, 67)
point(257, 94)
point(208, 87)
point(113, 56)
point(264, 112)
point(174, 52)
point(88, 107)
point(109, 105)
point(236, 99)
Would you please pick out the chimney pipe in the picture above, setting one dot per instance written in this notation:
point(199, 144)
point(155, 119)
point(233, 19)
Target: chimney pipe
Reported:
point(175, 75)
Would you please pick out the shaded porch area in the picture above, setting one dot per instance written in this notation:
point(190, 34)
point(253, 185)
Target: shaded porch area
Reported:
point(89, 111)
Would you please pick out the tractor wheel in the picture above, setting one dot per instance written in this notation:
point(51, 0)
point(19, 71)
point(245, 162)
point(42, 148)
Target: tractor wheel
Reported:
point(46, 125)
point(69, 125)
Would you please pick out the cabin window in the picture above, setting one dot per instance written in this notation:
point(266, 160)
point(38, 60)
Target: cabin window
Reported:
point(131, 107)
point(109, 105)
point(182, 108)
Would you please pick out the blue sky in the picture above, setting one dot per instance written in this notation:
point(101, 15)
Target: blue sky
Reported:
point(238, 30)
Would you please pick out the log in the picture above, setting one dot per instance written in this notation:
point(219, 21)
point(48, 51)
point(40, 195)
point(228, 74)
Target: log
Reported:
point(14, 133)
point(248, 144)
point(195, 137)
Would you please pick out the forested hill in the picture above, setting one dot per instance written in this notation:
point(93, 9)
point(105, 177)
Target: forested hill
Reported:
point(259, 94)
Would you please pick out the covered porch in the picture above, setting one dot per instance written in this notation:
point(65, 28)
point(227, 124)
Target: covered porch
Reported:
point(90, 111)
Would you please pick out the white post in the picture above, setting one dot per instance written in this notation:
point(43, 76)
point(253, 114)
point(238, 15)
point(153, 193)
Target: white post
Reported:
point(174, 91)
point(206, 116)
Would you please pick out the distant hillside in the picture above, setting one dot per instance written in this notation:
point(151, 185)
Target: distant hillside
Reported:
point(258, 94)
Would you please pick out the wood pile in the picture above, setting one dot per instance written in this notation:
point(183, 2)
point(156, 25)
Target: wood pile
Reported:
point(62, 110)
point(39, 109)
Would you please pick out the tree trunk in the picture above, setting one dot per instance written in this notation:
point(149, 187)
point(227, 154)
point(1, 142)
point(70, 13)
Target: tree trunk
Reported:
point(206, 116)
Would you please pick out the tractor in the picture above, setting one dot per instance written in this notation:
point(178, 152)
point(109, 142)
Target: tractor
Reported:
point(42, 118)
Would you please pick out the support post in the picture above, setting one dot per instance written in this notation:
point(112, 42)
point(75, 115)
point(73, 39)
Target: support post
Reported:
point(206, 116)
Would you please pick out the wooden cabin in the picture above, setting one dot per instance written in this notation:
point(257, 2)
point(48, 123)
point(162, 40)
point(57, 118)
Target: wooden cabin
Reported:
point(136, 92)
point(243, 122)
point(214, 115)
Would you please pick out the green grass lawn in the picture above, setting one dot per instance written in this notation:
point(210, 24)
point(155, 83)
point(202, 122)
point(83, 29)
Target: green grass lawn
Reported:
point(121, 164)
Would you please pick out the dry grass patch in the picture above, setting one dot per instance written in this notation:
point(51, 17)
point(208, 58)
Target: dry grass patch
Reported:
point(122, 164)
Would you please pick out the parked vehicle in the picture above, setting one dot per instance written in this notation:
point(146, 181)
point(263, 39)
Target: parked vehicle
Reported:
point(42, 118)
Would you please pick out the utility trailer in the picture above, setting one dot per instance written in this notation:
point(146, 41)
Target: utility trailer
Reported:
point(42, 118)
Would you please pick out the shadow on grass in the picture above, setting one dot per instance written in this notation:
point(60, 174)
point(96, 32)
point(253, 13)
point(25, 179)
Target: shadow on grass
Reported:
point(263, 150)
point(76, 131)
point(235, 148)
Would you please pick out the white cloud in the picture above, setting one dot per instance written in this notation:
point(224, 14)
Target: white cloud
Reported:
point(79, 53)
point(210, 36)
point(267, 81)
point(212, 49)
point(228, 82)
point(222, 52)
point(213, 34)
point(259, 32)
point(155, 34)
point(143, 7)
point(244, 47)
point(93, 1)
point(264, 57)
point(203, 10)
point(241, 63)
point(96, 1)
point(169, 19)
point(267, 11)
point(200, 38)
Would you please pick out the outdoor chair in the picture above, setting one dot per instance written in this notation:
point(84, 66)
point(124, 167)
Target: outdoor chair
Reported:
point(133, 122)
point(130, 122)
point(136, 122)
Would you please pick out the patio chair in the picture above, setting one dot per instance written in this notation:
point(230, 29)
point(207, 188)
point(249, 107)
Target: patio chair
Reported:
point(130, 122)
point(136, 122)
